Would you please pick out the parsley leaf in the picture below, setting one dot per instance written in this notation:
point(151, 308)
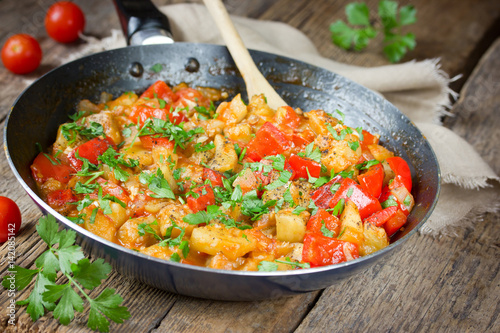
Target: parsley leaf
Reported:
point(325, 231)
point(267, 266)
point(390, 202)
point(157, 184)
point(346, 37)
point(313, 154)
point(198, 147)
point(361, 29)
point(62, 255)
point(282, 180)
point(156, 68)
point(253, 206)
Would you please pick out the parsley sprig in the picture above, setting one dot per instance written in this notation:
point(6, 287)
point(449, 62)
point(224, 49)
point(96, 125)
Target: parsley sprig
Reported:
point(63, 299)
point(361, 29)
point(165, 128)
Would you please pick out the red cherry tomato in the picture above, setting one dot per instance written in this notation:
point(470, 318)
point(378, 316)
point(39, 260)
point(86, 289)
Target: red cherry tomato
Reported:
point(64, 21)
point(10, 218)
point(21, 54)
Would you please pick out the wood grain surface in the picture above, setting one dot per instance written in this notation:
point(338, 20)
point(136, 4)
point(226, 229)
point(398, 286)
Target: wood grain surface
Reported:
point(447, 284)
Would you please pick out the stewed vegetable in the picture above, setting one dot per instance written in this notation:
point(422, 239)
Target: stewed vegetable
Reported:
point(240, 187)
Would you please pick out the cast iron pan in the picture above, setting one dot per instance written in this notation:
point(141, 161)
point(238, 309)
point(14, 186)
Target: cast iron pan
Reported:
point(43, 106)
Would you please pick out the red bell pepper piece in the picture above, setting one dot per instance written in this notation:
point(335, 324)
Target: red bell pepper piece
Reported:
point(300, 165)
point(372, 180)
point(402, 170)
point(323, 195)
point(43, 169)
point(366, 203)
point(368, 139)
point(320, 250)
point(214, 177)
point(188, 96)
point(149, 141)
point(113, 189)
point(382, 216)
point(268, 141)
point(206, 198)
point(90, 150)
point(161, 90)
point(395, 223)
point(59, 198)
point(286, 116)
point(323, 218)
point(143, 113)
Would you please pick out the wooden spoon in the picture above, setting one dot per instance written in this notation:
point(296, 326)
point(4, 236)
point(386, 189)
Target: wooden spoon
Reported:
point(255, 82)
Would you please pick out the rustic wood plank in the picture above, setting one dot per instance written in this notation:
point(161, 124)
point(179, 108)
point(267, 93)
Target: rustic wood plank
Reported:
point(280, 315)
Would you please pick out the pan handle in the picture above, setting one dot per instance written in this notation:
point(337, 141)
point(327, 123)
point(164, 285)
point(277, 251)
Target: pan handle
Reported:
point(142, 23)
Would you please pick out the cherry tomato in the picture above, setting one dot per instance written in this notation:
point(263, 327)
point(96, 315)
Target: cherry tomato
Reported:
point(10, 218)
point(64, 21)
point(21, 54)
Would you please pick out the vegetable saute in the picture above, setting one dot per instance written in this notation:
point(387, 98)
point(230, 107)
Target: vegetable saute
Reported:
point(237, 187)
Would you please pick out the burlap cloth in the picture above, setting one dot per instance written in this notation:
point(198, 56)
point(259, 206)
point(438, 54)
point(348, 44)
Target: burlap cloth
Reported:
point(418, 89)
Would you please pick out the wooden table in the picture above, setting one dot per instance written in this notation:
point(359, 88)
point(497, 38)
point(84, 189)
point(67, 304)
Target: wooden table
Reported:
point(449, 284)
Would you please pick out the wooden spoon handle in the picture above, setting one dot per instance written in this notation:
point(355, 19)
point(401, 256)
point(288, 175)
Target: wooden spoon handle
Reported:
point(255, 82)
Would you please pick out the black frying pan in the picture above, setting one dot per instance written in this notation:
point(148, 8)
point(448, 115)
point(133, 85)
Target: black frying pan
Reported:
point(43, 106)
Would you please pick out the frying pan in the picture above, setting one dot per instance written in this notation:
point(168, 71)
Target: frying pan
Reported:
point(43, 106)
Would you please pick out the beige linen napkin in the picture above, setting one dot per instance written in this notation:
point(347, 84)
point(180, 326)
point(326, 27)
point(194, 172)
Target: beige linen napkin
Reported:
point(418, 89)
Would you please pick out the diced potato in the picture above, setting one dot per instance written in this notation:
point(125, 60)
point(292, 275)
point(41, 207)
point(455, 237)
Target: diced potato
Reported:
point(235, 213)
point(239, 132)
point(124, 100)
point(337, 154)
point(191, 172)
point(284, 267)
point(212, 127)
point(251, 264)
point(235, 111)
point(247, 181)
point(225, 157)
point(103, 226)
point(220, 261)
point(50, 185)
point(162, 252)
point(154, 205)
point(216, 238)
point(202, 157)
point(118, 215)
point(129, 236)
point(259, 107)
point(174, 212)
point(277, 193)
point(290, 227)
point(300, 192)
point(380, 153)
point(138, 153)
point(110, 126)
point(161, 155)
point(318, 120)
point(169, 176)
point(374, 239)
point(297, 252)
point(62, 144)
point(351, 226)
